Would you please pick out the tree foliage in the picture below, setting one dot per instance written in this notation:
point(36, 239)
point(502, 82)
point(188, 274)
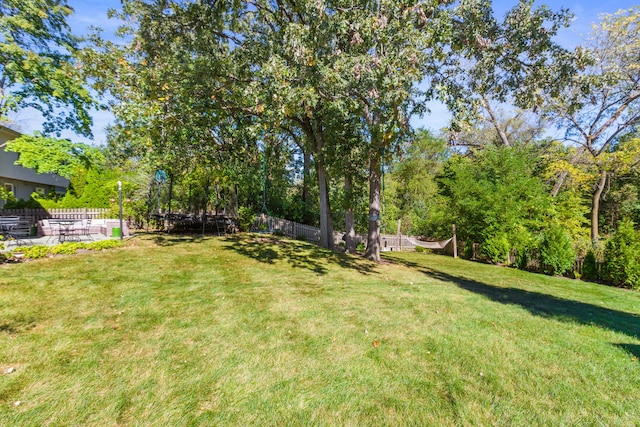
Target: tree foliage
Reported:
point(38, 66)
point(602, 103)
point(496, 193)
point(622, 256)
point(51, 155)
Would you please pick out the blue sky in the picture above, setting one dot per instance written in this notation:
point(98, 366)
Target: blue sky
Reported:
point(94, 13)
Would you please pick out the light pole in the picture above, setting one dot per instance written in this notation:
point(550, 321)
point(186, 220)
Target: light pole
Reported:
point(120, 203)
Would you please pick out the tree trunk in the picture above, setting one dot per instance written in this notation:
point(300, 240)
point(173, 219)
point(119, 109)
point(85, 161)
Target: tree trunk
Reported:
point(504, 139)
point(306, 193)
point(595, 207)
point(314, 132)
point(349, 223)
point(326, 225)
point(373, 236)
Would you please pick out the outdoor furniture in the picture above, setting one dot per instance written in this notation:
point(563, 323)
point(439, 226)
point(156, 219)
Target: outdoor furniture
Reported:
point(66, 230)
point(85, 228)
point(10, 229)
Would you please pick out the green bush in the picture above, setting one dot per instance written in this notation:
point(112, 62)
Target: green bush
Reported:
point(33, 252)
point(67, 248)
point(590, 267)
point(523, 256)
point(103, 244)
point(246, 217)
point(622, 257)
point(467, 249)
point(556, 254)
point(496, 248)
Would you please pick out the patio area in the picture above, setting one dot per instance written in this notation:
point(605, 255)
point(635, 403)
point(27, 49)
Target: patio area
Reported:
point(11, 244)
point(49, 232)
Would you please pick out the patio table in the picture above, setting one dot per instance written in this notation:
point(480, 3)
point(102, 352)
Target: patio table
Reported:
point(66, 229)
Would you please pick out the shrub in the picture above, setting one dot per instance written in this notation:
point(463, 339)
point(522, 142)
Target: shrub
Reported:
point(68, 248)
point(246, 217)
point(557, 255)
point(496, 248)
point(590, 267)
point(103, 244)
point(622, 256)
point(33, 252)
point(467, 249)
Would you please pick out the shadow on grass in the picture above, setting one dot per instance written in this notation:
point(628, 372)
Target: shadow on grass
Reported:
point(632, 349)
point(175, 239)
point(268, 249)
point(542, 304)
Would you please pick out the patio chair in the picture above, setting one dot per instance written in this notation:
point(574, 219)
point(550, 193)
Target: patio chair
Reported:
point(11, 230)
point(85, 228)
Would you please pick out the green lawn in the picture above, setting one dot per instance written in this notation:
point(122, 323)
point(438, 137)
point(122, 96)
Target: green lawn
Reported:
point(252, 330)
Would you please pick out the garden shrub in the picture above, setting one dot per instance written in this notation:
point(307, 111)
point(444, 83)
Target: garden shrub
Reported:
point(68, 248)
point(590, 267)
point(467, 249)
point(523, 256)
point(246, 217)
point(556, 253)
point(103, 244)
point(622, 256)
point(496, 248)
point(33, 252)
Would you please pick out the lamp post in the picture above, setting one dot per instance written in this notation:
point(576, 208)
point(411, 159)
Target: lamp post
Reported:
point(120, 203)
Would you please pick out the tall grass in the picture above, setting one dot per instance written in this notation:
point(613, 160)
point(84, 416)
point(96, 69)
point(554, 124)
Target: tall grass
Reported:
point(252, 330)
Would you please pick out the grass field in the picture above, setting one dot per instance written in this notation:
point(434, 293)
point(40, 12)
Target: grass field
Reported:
point(253, 330)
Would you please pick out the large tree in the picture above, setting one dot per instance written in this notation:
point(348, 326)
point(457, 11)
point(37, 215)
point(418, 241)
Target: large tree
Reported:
point(509, 62)
point(602, 104)
point(38, 66)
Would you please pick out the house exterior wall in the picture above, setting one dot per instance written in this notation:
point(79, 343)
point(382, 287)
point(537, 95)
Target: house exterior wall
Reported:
point(24, 181)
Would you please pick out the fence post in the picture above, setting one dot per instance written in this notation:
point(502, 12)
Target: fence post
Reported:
point(399, 236)
point(455, 242)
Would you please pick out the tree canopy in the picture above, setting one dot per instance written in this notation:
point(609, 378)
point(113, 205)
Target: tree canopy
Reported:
point(38, 65)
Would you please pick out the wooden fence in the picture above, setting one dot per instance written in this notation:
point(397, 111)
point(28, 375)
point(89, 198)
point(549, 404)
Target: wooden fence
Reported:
point(290, 229)
point(35, 215)
point(294, 230)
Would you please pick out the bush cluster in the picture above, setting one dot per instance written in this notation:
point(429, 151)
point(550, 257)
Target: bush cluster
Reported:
point(556, 253)
point(496, 249)
point(41, 251)
point(622, 257)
